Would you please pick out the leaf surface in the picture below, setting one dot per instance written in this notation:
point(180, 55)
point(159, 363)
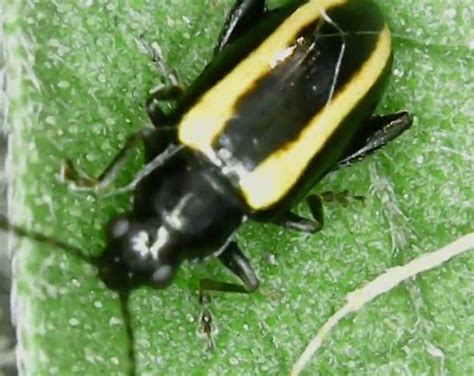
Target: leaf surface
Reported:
point(78, 80)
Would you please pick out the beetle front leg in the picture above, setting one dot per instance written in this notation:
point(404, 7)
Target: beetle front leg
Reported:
point(207, 327)
point(171, 92)
point(162, 94)
point(234, 260)
point(85, 183)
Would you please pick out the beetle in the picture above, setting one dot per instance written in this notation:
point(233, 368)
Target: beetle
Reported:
point(287, 98)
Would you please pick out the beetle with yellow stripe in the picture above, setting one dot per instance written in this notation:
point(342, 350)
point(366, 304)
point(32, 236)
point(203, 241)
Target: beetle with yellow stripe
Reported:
point(288, 97)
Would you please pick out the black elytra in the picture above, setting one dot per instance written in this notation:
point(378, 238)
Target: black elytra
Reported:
point(310, 70)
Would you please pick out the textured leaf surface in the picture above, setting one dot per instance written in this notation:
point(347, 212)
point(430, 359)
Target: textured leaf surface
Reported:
point(77, 84)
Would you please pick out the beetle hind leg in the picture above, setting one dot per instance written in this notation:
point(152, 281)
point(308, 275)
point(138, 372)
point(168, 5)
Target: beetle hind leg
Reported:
point(243, 15)
point(379, 131)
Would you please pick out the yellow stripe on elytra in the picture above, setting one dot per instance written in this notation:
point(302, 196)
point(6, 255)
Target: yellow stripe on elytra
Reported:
point(275, 176)
point(206, 119)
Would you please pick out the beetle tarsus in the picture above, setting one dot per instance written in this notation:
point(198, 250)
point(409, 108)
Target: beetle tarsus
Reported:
point(70, 173)
point(342, 197)
point(153, 49)
point(80, 181)
point(171, 92)
point(207, 327)
point(295, 222)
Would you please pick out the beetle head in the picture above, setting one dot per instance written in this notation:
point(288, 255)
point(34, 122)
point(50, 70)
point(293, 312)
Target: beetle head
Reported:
point(139, 253)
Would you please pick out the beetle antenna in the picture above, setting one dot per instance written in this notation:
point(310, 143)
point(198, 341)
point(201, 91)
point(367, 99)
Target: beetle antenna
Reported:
point(23, 232)
point(124, 294)
point(124, 297)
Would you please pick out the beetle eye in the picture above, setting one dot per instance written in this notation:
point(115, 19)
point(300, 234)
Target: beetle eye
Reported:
point(119, 227)
point(163, 275)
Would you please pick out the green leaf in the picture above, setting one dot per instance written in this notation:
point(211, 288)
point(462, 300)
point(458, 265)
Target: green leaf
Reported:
point(77, 84)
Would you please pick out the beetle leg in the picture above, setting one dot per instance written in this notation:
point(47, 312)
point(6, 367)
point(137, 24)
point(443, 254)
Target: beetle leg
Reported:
point(295, 222)
point(315, 205)
point(207, 327)
point(379, 131)
point(163, 93)
point(244, 13)
point(234, 260)
point(153, 49)
point(83, 182)
point(340, 197)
